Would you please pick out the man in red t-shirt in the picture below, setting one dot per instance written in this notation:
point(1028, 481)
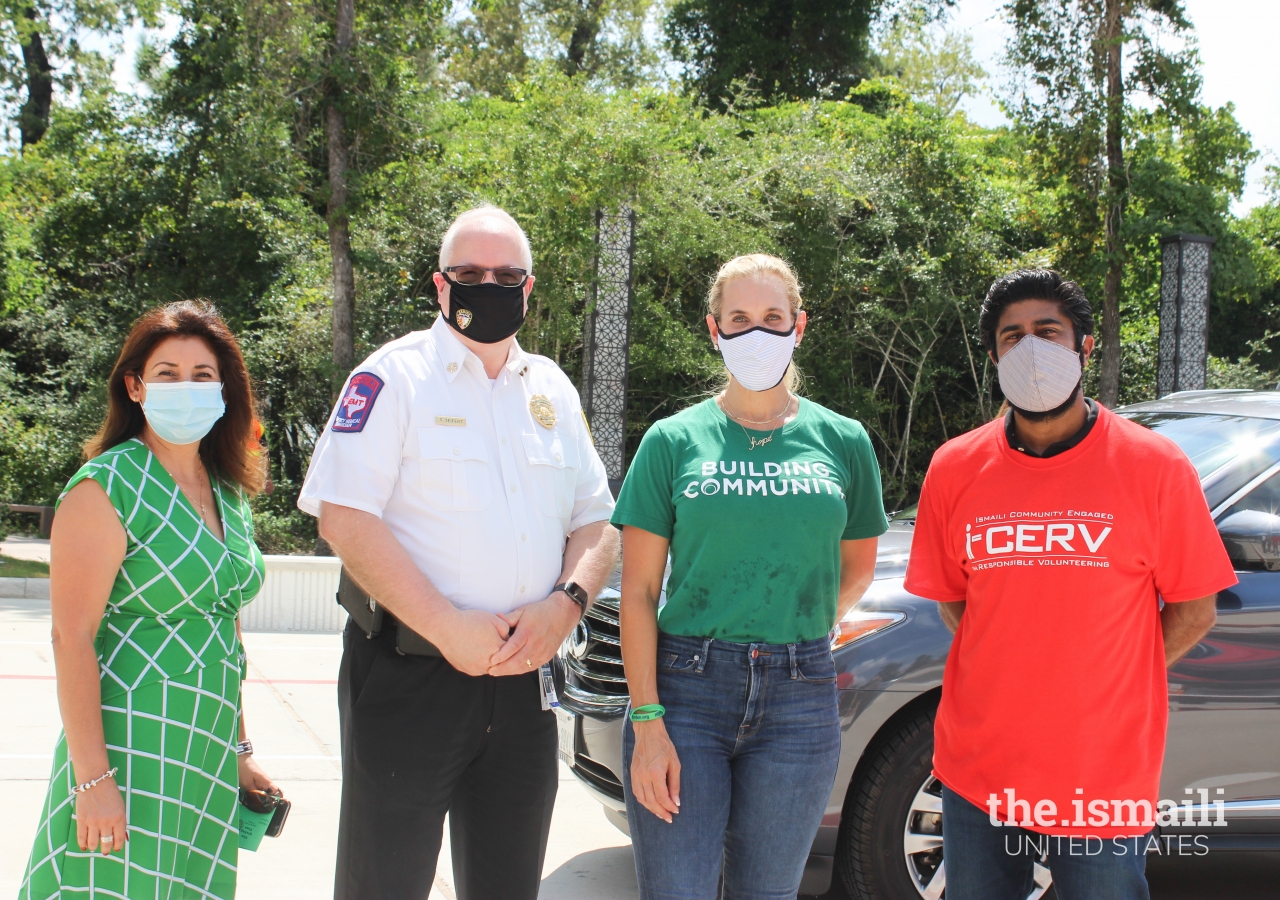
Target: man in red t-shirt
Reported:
point(1050, 538)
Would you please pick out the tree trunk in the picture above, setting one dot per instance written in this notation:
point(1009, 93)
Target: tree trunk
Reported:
point(1117, 190)
point(344, 284)
point(344, 289)
point(33, 118)
point(583, 37)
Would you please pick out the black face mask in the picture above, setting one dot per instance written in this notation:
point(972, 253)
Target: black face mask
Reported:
point(487, 313)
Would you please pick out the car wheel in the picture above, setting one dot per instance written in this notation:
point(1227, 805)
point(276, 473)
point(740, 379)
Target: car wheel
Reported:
point(890, 844)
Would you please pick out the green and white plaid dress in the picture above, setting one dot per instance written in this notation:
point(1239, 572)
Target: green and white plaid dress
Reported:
point(171, 669)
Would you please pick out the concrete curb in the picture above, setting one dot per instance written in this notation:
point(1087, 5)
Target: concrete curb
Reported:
point(298, 596)
point(24, 588)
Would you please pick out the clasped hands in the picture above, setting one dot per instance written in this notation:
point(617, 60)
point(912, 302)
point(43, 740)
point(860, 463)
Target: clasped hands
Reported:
point(514, 643)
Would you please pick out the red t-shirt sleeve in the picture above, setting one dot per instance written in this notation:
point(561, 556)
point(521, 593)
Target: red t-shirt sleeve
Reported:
point(933, 571)
point(1191, 562)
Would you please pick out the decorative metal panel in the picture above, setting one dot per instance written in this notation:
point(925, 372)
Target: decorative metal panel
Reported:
point(1184, 314)
point(606, 339)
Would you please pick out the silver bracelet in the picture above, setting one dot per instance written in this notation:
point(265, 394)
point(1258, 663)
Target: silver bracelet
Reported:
point(244, 748)
point(81, 788)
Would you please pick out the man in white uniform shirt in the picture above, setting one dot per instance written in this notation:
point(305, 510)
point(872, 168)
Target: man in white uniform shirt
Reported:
point(458, 483)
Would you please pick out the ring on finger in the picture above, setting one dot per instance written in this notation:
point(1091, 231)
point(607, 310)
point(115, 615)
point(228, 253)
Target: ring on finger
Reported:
point(108, 839)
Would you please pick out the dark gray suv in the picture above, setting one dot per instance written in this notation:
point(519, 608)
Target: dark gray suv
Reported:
point(883, 828)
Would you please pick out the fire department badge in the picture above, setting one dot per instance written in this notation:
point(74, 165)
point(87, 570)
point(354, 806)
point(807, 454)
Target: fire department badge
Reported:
point(464, 318)
point(543, 411)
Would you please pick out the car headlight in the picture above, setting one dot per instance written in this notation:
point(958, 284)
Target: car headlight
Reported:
point(862, 623)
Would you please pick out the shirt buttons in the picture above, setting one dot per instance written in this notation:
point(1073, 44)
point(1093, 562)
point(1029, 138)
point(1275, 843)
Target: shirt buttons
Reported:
point(457, 451)
point(557, 457)
point(522, 589)
point(504, 440)
point(513, 488)
point(524, 537)
point(452, 367)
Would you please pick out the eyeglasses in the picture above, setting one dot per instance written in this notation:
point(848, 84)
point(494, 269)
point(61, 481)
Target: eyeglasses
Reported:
point(507, 276)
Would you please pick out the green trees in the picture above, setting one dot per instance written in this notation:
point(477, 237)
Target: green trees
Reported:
point(891, 213)
point(41, 45)
point(1073, 104)
point(937, 68)
point(787, 48)
point(494, 47)
point(896, 212)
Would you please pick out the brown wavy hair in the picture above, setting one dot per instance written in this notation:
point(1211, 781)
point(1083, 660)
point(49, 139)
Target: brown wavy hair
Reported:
point(229, 449)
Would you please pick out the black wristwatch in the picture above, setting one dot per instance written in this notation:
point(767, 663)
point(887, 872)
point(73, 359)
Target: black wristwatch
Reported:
point(577, 593)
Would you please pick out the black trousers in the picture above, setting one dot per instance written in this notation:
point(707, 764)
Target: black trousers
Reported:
point(421, 739)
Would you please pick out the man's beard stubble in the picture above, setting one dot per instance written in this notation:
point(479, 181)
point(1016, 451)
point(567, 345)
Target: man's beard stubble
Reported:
point(1049, 414)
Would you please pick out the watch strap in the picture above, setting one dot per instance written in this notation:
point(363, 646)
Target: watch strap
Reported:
point(577, 593)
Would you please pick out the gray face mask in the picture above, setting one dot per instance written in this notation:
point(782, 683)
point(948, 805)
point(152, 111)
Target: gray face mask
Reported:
point(1039, 375)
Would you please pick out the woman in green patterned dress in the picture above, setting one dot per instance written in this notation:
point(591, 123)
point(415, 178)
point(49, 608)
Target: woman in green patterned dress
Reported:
point(152, 559)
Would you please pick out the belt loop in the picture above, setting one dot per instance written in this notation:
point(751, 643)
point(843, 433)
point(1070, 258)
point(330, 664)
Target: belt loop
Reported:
point(702, 660)
point(791, 654)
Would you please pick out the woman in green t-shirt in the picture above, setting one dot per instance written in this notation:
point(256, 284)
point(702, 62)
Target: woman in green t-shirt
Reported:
point(770, 508)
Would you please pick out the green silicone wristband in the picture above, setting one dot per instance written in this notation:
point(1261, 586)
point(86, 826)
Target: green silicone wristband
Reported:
point(648, 713)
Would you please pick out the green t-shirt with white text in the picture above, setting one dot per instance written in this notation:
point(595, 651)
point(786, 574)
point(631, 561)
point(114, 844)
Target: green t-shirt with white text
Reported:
point(755, 532)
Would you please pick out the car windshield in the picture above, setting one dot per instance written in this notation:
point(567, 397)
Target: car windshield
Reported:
point(1212, 441)
point(1227, 451)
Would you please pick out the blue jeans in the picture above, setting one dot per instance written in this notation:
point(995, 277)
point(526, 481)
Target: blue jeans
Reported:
point(757, 731)
point(994, 862)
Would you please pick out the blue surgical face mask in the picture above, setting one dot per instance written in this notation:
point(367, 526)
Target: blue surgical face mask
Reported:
point(182, 412)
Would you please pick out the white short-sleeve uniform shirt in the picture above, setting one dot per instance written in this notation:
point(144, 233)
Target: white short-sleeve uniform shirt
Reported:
point(479, 490)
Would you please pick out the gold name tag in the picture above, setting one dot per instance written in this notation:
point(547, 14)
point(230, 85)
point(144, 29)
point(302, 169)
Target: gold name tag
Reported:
point(456, 421)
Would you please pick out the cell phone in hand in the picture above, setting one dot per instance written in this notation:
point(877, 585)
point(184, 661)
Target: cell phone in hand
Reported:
point(262, 802)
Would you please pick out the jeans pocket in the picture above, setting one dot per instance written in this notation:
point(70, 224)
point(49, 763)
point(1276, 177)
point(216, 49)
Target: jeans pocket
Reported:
point(817, 671)
point(676, 662)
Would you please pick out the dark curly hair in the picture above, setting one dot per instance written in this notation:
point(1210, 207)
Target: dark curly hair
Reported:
point(1035, 284)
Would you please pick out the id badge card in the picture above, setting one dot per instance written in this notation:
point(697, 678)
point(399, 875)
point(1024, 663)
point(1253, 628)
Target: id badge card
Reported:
point(548, 683)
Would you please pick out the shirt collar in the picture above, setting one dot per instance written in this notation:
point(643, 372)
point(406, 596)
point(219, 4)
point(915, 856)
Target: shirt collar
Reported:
point(1011, 434)
point(454, 353)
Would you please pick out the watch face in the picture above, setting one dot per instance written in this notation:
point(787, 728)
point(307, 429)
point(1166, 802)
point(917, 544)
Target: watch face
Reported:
point(575, 591)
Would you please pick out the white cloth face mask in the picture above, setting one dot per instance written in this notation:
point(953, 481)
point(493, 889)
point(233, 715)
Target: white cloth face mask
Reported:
point(758, 357)
point(1038, 375)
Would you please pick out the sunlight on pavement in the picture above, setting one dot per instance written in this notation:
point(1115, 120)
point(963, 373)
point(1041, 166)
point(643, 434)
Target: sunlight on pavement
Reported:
point(292, 714)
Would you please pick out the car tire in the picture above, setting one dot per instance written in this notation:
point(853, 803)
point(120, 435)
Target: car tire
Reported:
point(869, 850)
point(890, 842)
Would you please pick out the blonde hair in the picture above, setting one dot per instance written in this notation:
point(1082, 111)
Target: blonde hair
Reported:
point(750, 266)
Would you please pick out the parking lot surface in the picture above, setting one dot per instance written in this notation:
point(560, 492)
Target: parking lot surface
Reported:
point(291, 711)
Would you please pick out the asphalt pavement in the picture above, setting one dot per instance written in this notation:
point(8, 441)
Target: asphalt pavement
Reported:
point(291, 711)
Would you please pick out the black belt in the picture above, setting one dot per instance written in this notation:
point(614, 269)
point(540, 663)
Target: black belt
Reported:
point(370, 616)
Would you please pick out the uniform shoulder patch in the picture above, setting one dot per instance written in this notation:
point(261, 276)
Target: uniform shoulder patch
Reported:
point(357, 402)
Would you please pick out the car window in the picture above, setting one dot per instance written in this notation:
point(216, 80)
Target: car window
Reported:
point(1227, 451)
point(1211, 441)
point(1250, 528)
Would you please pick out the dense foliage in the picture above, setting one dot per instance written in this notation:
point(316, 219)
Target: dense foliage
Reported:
point(896, 215)
point(788, 48)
